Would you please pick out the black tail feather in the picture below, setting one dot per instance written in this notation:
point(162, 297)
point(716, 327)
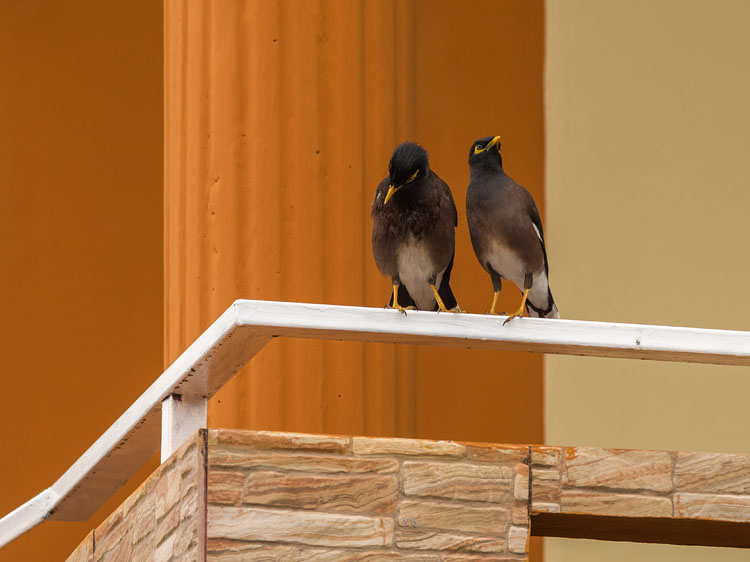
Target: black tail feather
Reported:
point(444, 290)
point(446, 294)
point(549, 312)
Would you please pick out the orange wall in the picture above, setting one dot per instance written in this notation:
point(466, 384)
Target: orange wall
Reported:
point(280, 118)
point(478, 72)
point(80, 239)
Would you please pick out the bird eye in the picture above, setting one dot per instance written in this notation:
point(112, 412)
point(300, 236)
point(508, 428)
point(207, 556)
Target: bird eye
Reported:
point(480, 146)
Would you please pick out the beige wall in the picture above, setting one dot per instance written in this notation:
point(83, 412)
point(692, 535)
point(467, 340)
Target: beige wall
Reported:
point(648, 135)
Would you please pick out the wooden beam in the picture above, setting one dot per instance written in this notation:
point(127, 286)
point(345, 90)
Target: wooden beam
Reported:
point(695, 532)
point(238, 334)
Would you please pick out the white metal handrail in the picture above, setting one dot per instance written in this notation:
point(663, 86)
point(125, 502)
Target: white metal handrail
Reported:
point(174, 406)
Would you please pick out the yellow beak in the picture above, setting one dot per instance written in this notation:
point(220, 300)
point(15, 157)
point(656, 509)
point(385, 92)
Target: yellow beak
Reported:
point(391, 190)
point(493, 142)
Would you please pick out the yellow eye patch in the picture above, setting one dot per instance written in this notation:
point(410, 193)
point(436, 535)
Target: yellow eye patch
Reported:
point(392, 189)
point(495, 141)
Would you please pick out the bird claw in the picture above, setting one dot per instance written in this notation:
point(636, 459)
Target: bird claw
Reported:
point(401, 309)
point(455, 310)
point(517, 314)
point(521, 309)
point(511, 317)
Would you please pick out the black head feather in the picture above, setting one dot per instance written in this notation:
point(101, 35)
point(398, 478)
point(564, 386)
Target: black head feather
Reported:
point(407, 159)
point(480, 155)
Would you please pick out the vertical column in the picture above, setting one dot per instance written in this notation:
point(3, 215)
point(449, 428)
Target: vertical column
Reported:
point(279, 121)
point(280, 118)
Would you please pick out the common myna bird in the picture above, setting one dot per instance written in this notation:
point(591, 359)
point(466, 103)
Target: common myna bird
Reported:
point(506, 231)
point(413, 232)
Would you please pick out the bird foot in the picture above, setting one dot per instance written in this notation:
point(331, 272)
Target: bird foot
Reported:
point(511, 317)
point(457, 309)
point(521, 309)
point(401, 308)
point(517, 314)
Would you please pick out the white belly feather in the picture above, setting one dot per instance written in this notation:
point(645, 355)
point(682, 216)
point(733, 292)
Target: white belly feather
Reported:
point(415, 268)
point(506, 263)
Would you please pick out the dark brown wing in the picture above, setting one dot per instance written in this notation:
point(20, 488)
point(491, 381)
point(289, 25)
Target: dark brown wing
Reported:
point(537, 221)
point(447, 198)
point(383, 249)
point(518, 225)
point(377, 202)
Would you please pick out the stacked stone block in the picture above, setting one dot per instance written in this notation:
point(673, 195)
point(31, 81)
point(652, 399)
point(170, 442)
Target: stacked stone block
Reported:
point(648, 496)
point(162, 521)
point(305, 497)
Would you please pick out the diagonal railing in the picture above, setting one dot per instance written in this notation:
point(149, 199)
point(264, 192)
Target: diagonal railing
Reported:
point(174, 406)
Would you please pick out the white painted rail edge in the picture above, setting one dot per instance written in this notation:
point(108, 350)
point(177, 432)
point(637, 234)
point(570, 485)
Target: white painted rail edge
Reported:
point(238, 334)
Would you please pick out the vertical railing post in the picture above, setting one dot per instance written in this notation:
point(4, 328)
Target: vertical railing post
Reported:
point(180, 418)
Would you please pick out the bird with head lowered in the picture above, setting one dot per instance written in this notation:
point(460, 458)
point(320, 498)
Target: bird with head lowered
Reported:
point(506, 231)
point(414, 219)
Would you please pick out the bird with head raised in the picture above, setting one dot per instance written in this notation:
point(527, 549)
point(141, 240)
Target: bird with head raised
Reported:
point(506, 231)
point(414, 219)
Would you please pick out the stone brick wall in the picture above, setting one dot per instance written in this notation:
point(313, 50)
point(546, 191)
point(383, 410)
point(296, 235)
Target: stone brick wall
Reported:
point(276, 496)
point(235, 495)
point(163, 520)
point(644, 496)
